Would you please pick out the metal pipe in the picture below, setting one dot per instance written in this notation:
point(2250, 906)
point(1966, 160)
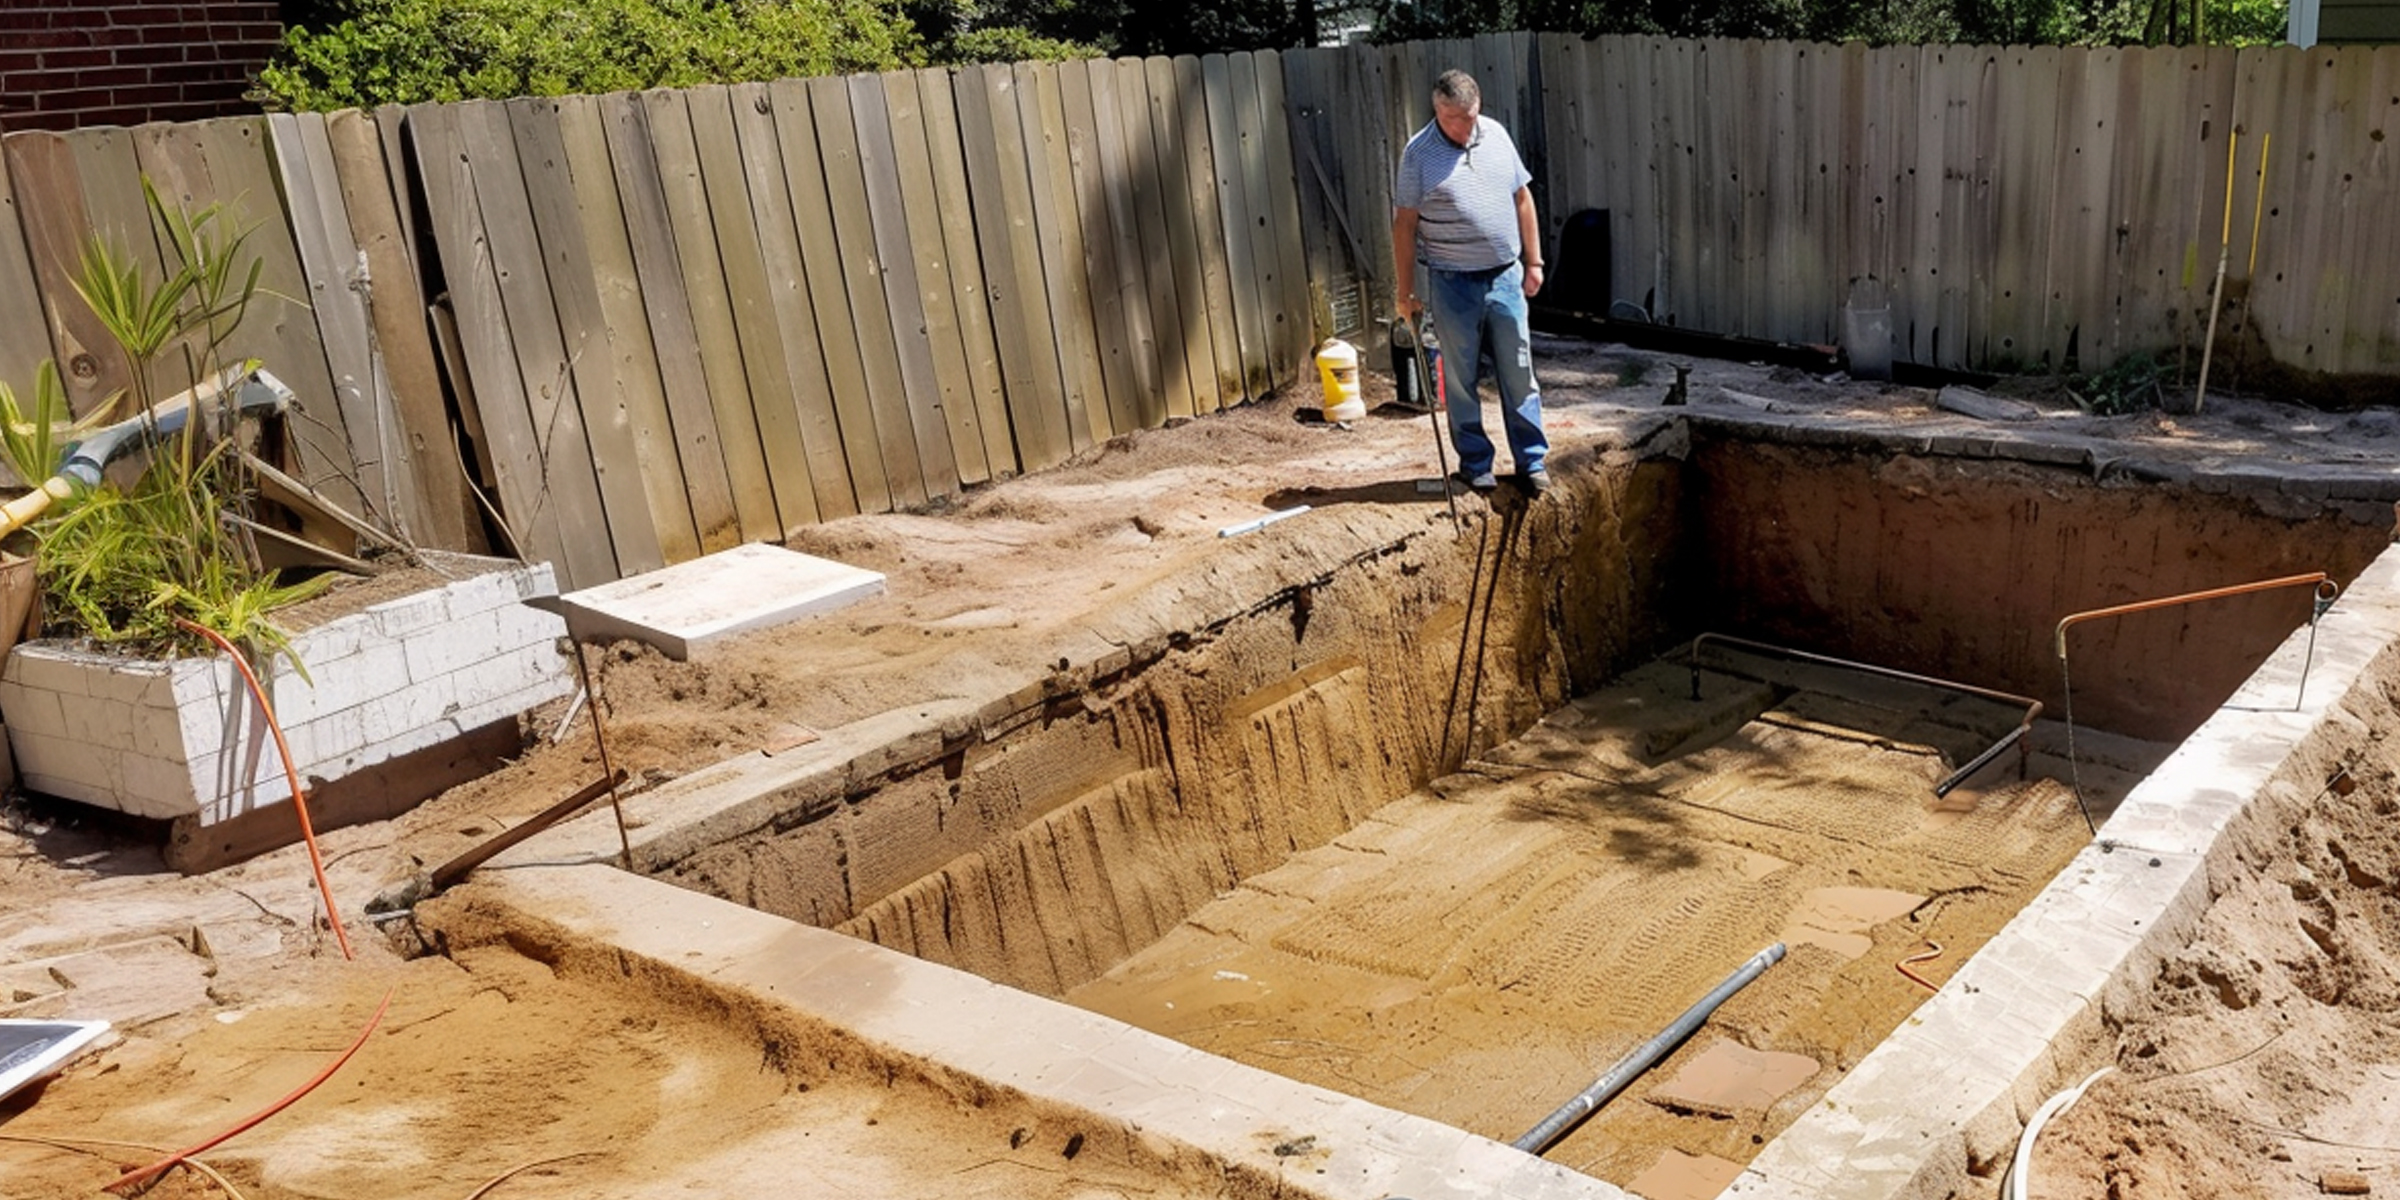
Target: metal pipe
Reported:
point(449, 873)
point(1588, 1101)
point(2016, 737)
point(2323, 582)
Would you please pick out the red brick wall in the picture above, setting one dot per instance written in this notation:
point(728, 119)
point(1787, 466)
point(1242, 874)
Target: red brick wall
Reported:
point(65, 63)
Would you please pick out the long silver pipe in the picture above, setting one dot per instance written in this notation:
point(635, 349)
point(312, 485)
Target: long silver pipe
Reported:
point(1645, 1056)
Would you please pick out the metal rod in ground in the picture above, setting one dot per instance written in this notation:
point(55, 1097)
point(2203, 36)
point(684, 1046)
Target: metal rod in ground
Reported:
point(456, 869)
point(1433, 412)
point(1629, 1068)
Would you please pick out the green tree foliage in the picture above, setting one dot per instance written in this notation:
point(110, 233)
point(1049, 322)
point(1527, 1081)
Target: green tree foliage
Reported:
point(366, 52)
point(2014, 22)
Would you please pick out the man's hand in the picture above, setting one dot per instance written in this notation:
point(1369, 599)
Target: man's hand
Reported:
point(1408, 307)
point(1533, 280)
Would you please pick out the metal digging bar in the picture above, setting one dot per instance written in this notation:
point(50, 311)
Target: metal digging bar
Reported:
point(2014, 737)
point(1629, 1068)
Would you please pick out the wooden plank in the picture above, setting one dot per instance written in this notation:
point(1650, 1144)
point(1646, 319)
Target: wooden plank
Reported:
point(1003, 193)
point(967, 268)
point(1144, 283)
point(659, 280)
point(496, 397)
point(49, 195)
point(1234, 227)
point(936, 300)
point(28, 343)
point(1060, 235)
point(2353, 293)
point(773, 416)
point(2374, 330)
point(1189, 345)
point(1203, 180)
point(1280, 330)
point(1283, 211)
point(279, 329)
point(854, 234)
point(641, 400)
point(796, 125)
point(1374, 146)
point(1092, 214)
point(904, 304)
point(674, 141)
point(321, 227)
point(390, 120)
point(600, 408)
point(402, 340)
point(569, 482)
point(794, 313)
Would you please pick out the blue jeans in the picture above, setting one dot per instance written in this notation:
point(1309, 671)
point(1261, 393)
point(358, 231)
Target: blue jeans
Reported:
point(1478, 314)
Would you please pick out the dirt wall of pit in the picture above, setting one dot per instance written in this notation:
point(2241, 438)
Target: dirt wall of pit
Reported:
point(1962, 568)
point(1045, 849)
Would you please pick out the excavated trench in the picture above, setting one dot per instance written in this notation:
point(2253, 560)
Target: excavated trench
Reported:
point(1453, 826)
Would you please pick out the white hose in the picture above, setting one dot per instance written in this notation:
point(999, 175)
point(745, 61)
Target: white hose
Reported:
point(2020, 1169)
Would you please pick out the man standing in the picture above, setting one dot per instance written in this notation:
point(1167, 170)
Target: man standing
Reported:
point(1463, 207)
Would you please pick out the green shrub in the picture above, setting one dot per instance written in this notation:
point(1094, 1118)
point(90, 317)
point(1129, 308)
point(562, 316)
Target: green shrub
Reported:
point(411, 51)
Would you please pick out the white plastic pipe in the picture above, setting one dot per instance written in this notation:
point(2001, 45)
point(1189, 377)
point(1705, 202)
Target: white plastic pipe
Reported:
point(2020, 1168)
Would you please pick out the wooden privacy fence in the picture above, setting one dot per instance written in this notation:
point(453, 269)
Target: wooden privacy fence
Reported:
point(2019, 206)
point(678, 320)
point(377, 449)
point(695, 318)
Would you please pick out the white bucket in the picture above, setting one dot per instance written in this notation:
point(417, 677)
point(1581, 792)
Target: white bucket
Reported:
point(1337, 373)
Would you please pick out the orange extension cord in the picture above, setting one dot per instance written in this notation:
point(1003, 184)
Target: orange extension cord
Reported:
point(316, 859)
point(141, 1175)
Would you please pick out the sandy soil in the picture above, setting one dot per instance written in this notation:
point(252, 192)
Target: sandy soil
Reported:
point(227, 987)
point(1481, 950)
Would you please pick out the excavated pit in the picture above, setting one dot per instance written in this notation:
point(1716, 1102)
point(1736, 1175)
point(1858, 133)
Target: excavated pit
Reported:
point(1439, 828)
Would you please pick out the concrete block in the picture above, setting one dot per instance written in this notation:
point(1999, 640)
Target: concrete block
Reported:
point(389, 718)
point(716, 595)
point(460, 642)
point(32, 710)
point(397, 619)
point(49, 669)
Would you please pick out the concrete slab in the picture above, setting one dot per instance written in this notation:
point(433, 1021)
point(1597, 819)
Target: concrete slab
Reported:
point(1312, 1142)
point(715, 595)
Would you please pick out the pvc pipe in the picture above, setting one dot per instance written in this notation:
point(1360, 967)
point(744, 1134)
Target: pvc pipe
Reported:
point(1253, 526)
point(1588, 1101)
point(2020, 1168)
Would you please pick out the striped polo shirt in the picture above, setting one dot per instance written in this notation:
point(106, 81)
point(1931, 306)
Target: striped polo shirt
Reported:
point(1465, 196)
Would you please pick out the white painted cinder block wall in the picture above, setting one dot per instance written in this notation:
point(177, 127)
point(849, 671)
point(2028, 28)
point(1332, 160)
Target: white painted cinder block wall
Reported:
point(183, 738)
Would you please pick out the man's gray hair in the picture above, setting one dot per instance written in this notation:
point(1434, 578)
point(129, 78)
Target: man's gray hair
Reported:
point(1456, 90)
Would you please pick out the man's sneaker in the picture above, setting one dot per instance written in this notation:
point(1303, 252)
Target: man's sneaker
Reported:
point(1536, 481)
point(1483, 482)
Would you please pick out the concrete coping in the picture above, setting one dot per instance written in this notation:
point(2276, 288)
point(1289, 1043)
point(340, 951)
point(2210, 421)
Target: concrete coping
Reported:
point(921, 1012)
point(1946, 1096)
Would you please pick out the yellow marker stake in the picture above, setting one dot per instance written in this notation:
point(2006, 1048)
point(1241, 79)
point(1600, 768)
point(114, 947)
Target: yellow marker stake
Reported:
point(2216, 293)
point(2265, 140)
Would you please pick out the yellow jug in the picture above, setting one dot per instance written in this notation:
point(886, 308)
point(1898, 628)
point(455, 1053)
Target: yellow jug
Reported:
point(1337, 372)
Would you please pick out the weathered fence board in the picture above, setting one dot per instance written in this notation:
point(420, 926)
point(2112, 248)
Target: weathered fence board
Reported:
point(1190, 100)
point(854, 235)
point(923, 287)
point(1294, 312)
point(1143, 286)
point(28, 342)
point(1060, 235)
point(354, 419)
point(671, 333)
point(641, 419)
point(1089, 188)
point(501, 424)
point(674, 139)
point(772, 415)
point(401, 340)
point(1003, 204)
point(49, 193)
point(1188, 345)
point(968, 271)
point(583, 331)
point(918, 402)
point(567, 474)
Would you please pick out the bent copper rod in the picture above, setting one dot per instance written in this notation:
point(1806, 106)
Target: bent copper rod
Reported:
point(2319, 578)
point(2033, 707)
